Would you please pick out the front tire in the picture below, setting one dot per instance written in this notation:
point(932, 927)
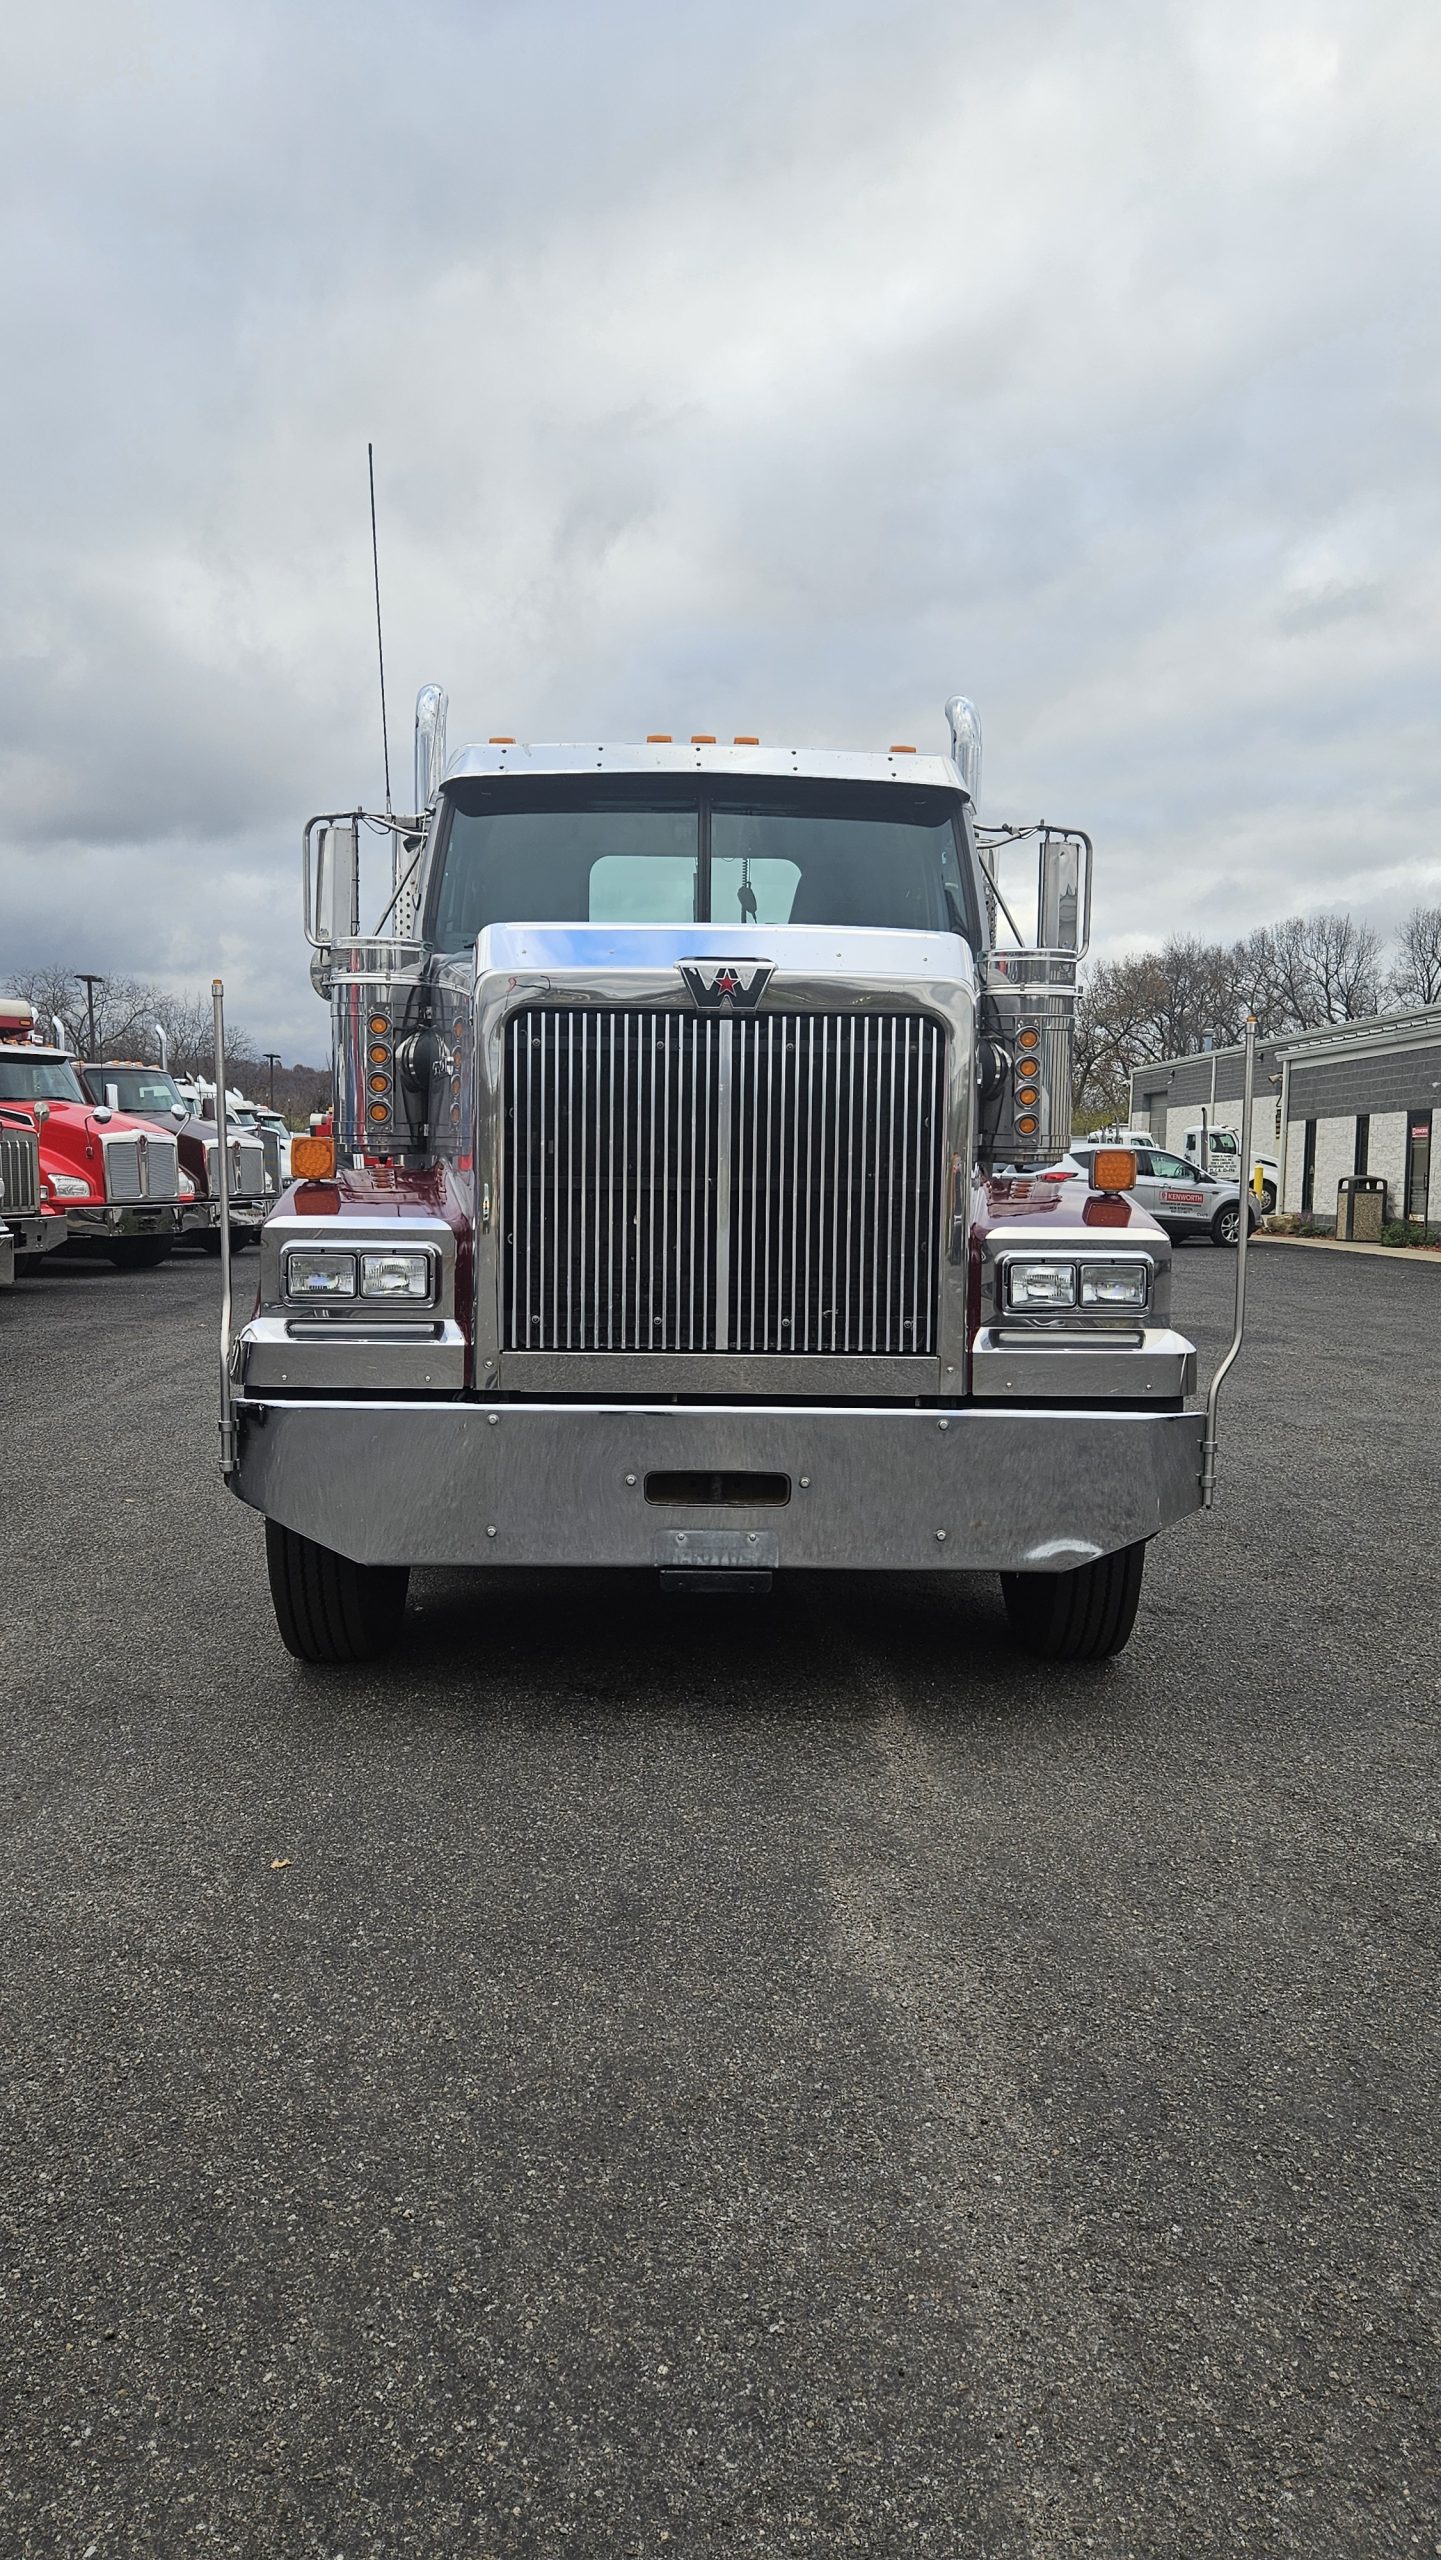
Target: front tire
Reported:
point(139, 1253)
point(1226, 1224)
point(327, 1608)
point(1083, 1616)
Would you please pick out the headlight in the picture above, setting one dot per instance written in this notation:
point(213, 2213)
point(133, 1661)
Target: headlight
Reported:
point(396, 1275)
point(1115, 1284)
point(1040, 1284)
point(322, 1273)
point(68, 1186)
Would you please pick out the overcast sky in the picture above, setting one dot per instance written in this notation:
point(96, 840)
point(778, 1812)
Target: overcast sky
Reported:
point(730, 366)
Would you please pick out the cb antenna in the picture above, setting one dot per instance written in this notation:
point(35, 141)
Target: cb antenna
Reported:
point(379, 635)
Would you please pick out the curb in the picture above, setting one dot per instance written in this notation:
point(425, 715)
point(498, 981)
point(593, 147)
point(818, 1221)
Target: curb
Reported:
point(1328, 1244)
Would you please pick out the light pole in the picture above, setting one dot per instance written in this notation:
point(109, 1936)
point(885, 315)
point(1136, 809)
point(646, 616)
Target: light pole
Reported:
point(272, 1060)
point(89, 979)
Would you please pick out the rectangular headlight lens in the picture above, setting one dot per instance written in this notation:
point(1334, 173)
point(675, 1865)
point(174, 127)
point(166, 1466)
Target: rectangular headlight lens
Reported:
point(396, 1275)
point(1115, 1284)
point(323, 1273)
point(1040, 1284)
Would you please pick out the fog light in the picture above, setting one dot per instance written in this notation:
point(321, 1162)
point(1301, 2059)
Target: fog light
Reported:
point(1115, 1284)
point(395, 1275)
point(1040, 1284)
point(322, 1274)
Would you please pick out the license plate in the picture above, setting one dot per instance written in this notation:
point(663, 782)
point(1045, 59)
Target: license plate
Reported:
point(758, 1549)
point(147, 1221)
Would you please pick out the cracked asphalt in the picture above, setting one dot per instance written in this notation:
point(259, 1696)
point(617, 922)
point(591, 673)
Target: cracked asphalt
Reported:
point(643, 2076)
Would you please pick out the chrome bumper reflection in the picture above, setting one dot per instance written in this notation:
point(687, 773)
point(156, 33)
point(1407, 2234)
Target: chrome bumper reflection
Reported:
point(146, 1218)
point(553, 1484)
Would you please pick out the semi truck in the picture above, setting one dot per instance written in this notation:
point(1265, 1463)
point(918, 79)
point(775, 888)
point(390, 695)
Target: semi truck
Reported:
point(109, 1183)
point(658, 1225)
point(153, 1094)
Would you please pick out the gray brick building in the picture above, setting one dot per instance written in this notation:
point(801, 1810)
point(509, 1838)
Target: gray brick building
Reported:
point(1348, 1097)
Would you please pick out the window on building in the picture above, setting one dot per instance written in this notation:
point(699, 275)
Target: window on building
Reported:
point(1418, 1162)
point(1362, 1163)
point(1308, 1170)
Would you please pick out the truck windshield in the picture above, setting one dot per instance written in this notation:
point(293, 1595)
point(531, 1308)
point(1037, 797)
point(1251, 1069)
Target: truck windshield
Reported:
point(39, 1080)
point(607, 851)
point(147, 1091)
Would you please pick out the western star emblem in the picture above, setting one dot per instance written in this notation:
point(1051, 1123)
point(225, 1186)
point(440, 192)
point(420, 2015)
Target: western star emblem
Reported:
point(737, 983)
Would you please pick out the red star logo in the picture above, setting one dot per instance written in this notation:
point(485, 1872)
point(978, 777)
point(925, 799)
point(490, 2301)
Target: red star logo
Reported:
point(726, 984)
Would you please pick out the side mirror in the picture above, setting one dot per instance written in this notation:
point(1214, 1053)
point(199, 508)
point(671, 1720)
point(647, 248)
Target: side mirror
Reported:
point(1060, 918)
point(102, 1112)
point(178, 1112)
point(337, 882)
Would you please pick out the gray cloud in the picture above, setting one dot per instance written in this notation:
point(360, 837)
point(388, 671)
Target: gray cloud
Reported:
point(728, 368)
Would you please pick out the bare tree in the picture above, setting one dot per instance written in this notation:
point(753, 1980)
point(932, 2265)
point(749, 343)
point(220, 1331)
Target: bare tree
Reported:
point(1416, 972)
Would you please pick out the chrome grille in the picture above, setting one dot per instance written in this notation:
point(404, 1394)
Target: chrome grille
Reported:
point(141, 1167)
point(247, 1168)
point(681, 1183)
point(19, 1171)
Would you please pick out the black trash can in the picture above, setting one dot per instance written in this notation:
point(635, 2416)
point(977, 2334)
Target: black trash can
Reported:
point(1360, 1208)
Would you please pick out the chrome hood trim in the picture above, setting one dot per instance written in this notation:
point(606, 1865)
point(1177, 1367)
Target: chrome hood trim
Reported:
point(812, 963)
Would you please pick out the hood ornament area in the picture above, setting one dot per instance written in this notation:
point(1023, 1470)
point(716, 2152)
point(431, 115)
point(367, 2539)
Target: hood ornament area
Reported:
point(713, 984)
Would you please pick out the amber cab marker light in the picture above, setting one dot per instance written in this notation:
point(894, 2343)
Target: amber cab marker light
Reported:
point(702, 737)
point(745, 742)
point(659, 738)
point(1113, 1169)
point(500, 742)
point(312, 1159)
point(900, 751)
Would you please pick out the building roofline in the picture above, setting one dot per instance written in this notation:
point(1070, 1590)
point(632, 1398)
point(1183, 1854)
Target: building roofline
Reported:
point(1368, 1031)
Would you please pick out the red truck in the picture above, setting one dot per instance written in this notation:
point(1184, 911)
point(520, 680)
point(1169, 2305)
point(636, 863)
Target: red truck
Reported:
point(109, 1183)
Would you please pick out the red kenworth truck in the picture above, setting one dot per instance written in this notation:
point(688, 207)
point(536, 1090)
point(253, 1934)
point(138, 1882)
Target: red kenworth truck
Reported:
point(108, 1183)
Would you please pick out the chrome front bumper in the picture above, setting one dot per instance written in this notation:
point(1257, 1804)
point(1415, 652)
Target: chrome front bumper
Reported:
point(34, 1232)
point(878, 1489)
point(97, 1224)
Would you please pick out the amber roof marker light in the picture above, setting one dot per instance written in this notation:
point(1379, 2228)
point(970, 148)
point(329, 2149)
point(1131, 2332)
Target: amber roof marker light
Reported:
point(900, 751)
point(659, 738)
point(745, 742)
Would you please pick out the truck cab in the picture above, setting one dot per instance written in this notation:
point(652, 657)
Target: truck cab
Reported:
point(108, 1182)
point(1217, 1150)
point(660, 1225)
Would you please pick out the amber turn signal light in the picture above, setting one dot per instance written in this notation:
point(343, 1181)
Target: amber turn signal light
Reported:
point(1113, 1169)
point(312, 1159)
point(1029, 1039)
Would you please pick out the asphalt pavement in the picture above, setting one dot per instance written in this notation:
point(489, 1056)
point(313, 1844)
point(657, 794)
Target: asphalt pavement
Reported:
point(657, 2077)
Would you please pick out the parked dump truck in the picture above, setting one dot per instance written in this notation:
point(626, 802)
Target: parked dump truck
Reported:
point(109, 1183)
point(658, 1227)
